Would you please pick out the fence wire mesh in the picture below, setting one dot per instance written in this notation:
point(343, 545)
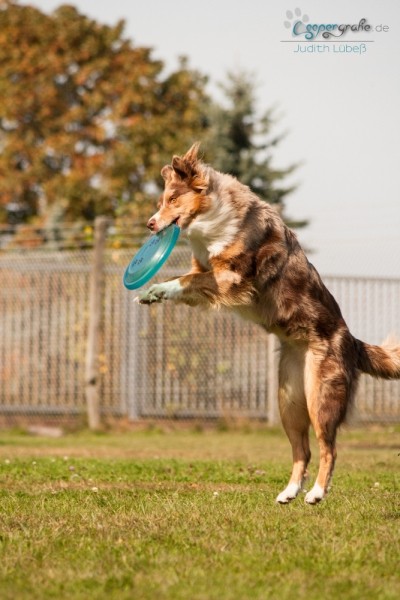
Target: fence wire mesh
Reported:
point(162, 361)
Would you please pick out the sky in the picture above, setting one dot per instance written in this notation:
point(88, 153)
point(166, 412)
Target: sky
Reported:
point(337, 101)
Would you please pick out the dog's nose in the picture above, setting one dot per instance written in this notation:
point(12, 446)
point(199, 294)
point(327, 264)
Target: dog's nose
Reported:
point(151, 224)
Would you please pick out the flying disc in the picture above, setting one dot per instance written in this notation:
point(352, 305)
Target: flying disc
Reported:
point(151, 257)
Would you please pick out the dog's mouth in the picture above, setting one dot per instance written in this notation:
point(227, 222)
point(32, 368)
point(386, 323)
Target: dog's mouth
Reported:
point(174, 222)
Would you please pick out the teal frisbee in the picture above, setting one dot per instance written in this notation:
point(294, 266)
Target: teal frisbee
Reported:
point(151, 257)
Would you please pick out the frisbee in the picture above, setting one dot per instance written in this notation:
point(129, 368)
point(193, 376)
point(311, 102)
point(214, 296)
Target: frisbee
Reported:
point(151, 257)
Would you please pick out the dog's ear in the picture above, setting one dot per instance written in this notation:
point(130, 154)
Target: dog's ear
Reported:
point(186, 166)
point(189, 173)
point(192, 154)
point(166, 172)
point(182, 167)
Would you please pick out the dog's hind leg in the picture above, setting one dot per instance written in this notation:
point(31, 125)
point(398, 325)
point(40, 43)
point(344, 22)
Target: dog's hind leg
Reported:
point(327, 453)
point(325, 430)
point(295, 419)
point(327, 399)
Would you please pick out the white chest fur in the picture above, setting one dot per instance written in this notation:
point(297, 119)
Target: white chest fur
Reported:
point(211, 232)
point(200, 251)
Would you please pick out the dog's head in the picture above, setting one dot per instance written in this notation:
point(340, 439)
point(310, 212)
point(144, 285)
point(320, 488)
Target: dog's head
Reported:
point(185, 192)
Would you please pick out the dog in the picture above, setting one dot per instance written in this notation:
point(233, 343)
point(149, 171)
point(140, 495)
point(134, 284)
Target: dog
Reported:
point(246, 259)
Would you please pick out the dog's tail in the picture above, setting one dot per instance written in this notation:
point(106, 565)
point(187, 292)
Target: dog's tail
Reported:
point(379, 361)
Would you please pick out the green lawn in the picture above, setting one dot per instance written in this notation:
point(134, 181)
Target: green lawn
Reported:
point(191, 515)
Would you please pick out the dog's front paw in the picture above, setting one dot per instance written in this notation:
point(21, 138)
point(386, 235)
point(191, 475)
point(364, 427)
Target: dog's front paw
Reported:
point(160, 291)
point(149, 296)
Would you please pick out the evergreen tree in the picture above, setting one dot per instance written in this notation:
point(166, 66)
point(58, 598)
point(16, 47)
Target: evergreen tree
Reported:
point(240, 143)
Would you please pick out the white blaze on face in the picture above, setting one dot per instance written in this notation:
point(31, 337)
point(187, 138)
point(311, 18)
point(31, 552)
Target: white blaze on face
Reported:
point(160, 223)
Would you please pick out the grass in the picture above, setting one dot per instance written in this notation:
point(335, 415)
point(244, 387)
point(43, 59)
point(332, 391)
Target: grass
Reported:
point(191, 515)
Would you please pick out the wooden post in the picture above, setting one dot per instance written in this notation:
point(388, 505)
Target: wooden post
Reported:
point(272, 392)
point(94, 326)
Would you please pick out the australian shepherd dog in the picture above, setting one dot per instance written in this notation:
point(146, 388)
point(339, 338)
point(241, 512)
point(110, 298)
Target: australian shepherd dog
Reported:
point(246, 259)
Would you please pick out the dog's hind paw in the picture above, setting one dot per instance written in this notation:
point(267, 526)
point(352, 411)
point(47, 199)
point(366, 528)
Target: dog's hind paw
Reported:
point(315, 495)
point(289, 493)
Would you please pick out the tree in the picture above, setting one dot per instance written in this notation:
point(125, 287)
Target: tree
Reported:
point(86, 118)
point(240, 143)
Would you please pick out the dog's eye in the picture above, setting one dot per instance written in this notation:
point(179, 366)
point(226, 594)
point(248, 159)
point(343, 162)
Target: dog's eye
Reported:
point(172, 200)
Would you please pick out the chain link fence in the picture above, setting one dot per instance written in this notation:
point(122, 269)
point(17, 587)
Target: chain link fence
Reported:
point(163, 361)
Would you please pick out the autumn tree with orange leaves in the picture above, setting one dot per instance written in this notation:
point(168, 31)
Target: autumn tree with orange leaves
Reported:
point(86, 117)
